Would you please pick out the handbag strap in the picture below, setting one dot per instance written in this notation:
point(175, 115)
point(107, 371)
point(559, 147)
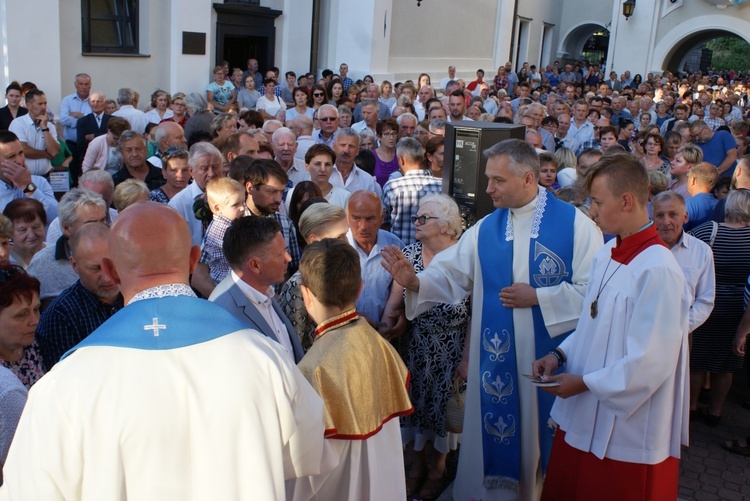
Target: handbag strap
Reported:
point(714, 230)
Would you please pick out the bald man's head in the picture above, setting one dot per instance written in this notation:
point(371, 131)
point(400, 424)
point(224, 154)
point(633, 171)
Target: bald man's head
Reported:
point(149, 245)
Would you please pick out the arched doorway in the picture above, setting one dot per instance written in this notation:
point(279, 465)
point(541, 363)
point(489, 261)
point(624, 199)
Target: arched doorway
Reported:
point(671, 50)
point(684, 56)
point(587, 41)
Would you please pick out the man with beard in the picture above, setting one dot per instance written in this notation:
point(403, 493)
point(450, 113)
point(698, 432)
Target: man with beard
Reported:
point(265, 182)
point(84, 306)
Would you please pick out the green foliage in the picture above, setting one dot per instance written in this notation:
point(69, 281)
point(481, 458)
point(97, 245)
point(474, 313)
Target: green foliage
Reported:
point(730, 53)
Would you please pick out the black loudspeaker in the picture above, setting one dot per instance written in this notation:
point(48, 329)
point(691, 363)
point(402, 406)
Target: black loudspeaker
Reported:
point(463, 170)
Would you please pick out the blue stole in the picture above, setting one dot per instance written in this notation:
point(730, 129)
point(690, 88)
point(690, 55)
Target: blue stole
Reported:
point(550, 260)
point(163, 323)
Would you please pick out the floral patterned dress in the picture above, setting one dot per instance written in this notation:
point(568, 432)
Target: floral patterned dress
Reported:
point(437, 341)
point(29, 368)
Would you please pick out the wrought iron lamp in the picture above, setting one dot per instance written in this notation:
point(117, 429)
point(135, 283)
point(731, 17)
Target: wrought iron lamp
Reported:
point(628, 6)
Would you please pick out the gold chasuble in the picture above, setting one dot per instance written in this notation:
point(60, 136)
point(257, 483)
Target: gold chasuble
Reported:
point(358, 374)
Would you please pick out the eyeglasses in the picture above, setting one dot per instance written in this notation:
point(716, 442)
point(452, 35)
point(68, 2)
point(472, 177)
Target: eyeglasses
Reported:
point(318, 94)
point(9, 272)
point(328, 119)
point(422, 219)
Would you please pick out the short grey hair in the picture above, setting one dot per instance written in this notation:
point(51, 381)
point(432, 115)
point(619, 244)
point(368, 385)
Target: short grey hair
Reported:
point(523, 157)
point(194, 102)
point(281, 131)
point(737, 208)
point(447, 211)
point(75, 199)
point(346, 132)
point(366, 133)
point(329, 107)
point(125, 96)
point(437, 125)
point(318, 215)
point(371, 102)
point(268, 123)
point(129, 135)
point(97, 176)
point(410, 149)
point(219, 121)
point(200, 150)
point(666, 196)
point(402, 116)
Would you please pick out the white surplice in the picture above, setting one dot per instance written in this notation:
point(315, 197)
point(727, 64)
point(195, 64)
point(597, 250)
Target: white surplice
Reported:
point(226, 419)
point(634, 359)
point(355, 469)
point(457, 270)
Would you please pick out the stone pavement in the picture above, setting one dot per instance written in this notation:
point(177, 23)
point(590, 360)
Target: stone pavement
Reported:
point(707, 471)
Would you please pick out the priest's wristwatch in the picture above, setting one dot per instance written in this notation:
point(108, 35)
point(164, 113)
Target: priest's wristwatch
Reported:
point(30, 188)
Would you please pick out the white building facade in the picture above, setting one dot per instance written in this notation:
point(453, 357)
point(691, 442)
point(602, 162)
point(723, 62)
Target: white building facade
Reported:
point(174, 44)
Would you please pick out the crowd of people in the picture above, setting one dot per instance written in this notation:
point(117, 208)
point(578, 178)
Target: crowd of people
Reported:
point(271, 265)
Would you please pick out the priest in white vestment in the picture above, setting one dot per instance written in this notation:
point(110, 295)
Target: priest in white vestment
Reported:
point(170, 399)
point(513, 171)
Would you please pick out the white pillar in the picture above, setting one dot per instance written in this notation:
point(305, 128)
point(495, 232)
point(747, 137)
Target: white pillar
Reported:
point(190, 72)
point(633, 40)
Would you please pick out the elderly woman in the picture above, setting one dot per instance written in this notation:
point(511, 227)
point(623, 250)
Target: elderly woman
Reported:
point(223, 126)
point(319, 221)
point(711, 349)
point(19, 316)
point(435, 352)
point(29, 222)
point(367, 140)
point(177, 173)
point(160, 100)
point(201, 115)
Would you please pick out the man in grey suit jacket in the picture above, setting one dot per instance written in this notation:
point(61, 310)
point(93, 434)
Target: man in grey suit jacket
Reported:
point(257, 253)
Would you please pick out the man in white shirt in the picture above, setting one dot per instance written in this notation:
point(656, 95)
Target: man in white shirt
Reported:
point(693, 255)
point(345, 174)
point(302, 126)
point(369, 116)
point(137, 119)
point(257, 253)
point(205, 163)
point(75, 106)
point(457, 106)
point(328, 117)
point(424, 94)
point(37, 136)
point(451, 76)
point(581, 129)
point(284, 144)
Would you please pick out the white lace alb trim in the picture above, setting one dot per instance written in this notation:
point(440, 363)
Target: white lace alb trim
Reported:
point(164, 290)
point(538, 214)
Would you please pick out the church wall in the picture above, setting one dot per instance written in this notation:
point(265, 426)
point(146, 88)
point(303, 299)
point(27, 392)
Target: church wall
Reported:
point(293, 34)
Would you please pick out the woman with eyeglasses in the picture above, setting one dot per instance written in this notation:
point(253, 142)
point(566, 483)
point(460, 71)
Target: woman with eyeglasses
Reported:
point(437, 354)
point(300, 105)
point(177, 173)
point(19, 316)
point(103, 152)
point(220, 93)
point(386, 161)
point(179, 110)
point(317, 97)
point(29, 222)
point(653, 145)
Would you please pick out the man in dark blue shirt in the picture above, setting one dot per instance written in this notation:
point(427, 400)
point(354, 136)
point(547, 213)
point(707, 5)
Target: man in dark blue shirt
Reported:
point(84, 306)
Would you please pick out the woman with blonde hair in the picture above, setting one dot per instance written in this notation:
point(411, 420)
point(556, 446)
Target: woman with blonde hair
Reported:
point(319, 221)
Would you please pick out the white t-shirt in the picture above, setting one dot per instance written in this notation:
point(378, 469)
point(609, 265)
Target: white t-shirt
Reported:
point(270, 107)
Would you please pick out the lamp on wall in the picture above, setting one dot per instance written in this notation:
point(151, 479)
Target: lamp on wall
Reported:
point(419, 3)
point(628, 6)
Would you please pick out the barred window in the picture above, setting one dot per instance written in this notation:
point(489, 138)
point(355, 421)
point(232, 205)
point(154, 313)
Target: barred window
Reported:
point(109, 26)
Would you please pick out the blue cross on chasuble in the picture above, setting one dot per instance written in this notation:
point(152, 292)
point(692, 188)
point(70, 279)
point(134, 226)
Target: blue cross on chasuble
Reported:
point(550, 260)
point(163, 323)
